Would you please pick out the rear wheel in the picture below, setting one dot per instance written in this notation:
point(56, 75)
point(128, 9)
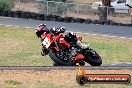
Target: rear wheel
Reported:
point(95, 61)
point(59, 60)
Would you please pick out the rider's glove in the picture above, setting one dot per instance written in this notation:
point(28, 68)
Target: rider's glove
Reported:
point(62, 29)
point(57, 31)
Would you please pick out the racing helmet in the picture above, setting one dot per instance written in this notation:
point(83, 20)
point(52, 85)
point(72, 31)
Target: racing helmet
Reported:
point(40, 30)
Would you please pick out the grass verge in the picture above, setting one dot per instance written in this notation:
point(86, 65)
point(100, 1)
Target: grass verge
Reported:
point(54, 79)
point(21, 47)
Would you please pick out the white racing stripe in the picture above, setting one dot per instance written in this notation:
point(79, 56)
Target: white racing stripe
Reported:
point(74, 32)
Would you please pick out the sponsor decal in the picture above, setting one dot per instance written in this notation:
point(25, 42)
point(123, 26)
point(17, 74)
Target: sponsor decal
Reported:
point(83, 78)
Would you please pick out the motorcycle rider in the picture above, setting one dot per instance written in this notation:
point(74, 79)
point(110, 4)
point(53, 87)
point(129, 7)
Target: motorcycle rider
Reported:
point(42, 29)
point(77, 40)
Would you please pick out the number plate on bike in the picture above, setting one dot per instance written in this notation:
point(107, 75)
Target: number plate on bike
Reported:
point(46, 42)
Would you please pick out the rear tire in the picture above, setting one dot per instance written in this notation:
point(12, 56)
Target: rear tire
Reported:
point(58, 60)
point(95, 61)
point(92, 57)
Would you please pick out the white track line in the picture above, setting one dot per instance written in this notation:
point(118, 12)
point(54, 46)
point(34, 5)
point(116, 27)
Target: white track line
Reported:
point(15, 26)
point(74, 32)
point(104, 35)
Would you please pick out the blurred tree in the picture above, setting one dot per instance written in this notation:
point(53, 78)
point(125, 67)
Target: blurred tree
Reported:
point(6, 4)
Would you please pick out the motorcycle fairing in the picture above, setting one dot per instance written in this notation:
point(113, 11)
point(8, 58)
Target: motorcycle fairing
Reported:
point(63, 42)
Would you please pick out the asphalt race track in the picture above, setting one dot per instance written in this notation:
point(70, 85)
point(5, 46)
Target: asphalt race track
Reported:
point(111, 66)
point(45, 68)
point(118, 31)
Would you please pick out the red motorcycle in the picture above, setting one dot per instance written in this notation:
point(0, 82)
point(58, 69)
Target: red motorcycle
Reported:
point(67, 50)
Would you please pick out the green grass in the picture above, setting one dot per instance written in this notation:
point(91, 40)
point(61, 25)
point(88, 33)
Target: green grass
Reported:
point(21, 47)
point(54, 79)
point(112, 52)
point(12, 82)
